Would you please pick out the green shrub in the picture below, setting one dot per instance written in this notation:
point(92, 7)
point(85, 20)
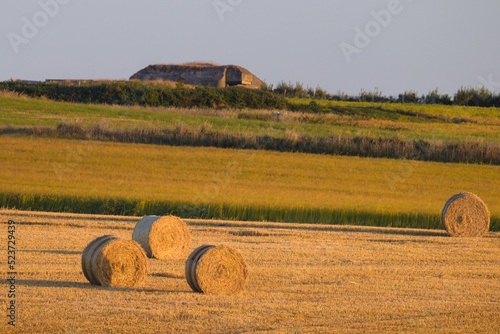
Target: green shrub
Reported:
point(149, 94)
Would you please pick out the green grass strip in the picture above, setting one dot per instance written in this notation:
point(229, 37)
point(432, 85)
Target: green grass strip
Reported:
point(117, 206)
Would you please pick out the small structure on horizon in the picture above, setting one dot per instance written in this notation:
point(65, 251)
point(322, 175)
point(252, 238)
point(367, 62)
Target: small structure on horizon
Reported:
point(202, 74)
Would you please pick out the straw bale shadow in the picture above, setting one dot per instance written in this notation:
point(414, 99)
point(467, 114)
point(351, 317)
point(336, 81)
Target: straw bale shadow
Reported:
point(250, 233)
point(78, 285)
point(168, 275)
point(406, 242)
point(50, 251)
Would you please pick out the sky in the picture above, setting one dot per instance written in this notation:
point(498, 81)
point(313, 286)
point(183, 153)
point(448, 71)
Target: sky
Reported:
point(338, 45)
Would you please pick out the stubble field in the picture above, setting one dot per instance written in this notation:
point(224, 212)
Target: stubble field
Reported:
point(303, 278)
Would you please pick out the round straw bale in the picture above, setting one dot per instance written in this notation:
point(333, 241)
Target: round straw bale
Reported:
point(191, 263)
point(87, 256)
point(164, 237)
point(109, 261)
point(465, 215)
point(216, 270)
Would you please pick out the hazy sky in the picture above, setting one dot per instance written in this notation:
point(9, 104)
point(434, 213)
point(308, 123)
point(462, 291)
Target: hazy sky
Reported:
point(338, 45)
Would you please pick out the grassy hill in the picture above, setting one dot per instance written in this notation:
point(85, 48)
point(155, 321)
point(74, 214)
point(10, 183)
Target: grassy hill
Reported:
point(417, 132)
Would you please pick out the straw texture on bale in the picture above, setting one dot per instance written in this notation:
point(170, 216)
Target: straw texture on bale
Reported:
point(465, 215)
point(163, 238)
point(109, 261)
point(216, 270)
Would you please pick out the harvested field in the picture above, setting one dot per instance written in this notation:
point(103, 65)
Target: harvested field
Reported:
point(304, 278)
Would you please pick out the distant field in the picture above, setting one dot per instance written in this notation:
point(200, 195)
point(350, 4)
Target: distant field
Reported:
point(405, 122)
point(409, 111)
point(303, 279)
point(106, 177)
